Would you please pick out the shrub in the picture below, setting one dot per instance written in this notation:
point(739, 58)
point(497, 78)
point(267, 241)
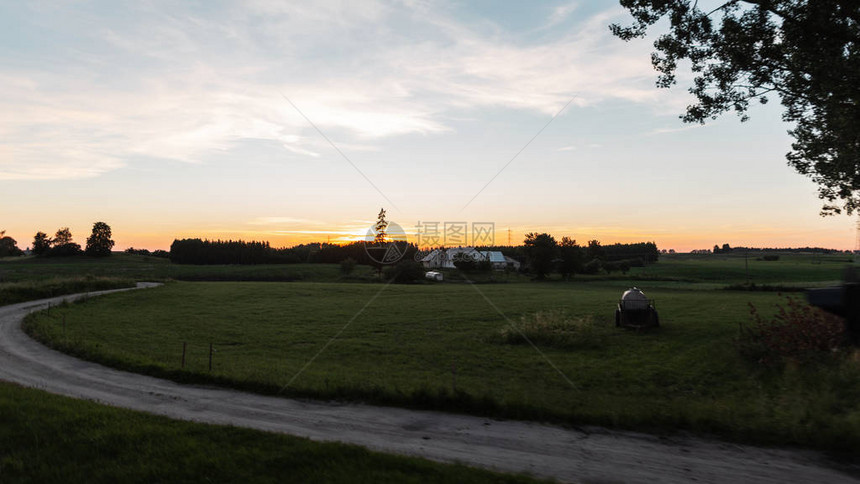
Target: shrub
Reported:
point(65, 250)
point(405, 271)
point(798, 332)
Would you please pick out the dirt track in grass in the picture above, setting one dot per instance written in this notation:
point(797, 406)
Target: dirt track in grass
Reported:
point(583, 455)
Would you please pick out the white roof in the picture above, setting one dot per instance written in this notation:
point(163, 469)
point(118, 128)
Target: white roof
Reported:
point(493, 256)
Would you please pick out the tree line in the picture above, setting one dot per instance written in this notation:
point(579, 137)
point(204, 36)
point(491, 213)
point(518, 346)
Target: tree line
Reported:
point(540, 253)
point(99, 243)
point(544, 255)
point(727, 249)
point(201, 251)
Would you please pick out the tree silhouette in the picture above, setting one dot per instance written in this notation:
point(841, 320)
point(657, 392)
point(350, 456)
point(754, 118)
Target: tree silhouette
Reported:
point(41, 243)
point(62, 237)
point(595, 250)
point(8, 246)
point(805, 51)
point(571, 258)
point(380, 227)
point(541, 249)
point(63, 245)
point(99, 244)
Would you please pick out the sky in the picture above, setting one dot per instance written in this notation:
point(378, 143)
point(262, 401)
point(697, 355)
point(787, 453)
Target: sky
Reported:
point(298, 121)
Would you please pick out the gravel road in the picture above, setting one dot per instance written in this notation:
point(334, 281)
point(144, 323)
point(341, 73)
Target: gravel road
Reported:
point(586, 455)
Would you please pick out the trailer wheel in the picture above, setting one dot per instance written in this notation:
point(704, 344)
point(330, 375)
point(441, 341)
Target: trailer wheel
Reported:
point(617, 318)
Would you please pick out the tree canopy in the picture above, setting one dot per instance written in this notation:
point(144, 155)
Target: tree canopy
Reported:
point(541, 250)
point(99, 244)
point(8, 246)
point(62, 237)
point(807, 52)
point(41, 243)
point(570, 255)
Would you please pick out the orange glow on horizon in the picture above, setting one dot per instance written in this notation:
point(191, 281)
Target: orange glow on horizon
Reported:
point(679, 242)
point(128, 233)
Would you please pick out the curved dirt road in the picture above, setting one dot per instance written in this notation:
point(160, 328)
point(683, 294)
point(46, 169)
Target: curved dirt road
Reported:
point(592, 455)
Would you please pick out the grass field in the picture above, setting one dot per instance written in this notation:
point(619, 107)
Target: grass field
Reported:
point(144, 268)
point(15, 292)
point(713, 270)
point(441, 346)
point(48, 438)
point(790, 269)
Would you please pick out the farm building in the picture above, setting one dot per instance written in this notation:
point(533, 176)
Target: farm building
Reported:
point(444, 258)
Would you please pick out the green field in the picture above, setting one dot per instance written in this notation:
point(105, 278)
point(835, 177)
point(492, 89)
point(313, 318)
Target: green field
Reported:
point(716, 270)
point(451, 346)
point(790, 269)
point(48, 438)
point(145, 268)
point(440, 346)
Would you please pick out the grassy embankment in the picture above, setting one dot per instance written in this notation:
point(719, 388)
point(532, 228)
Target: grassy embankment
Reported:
point(48, 438)
point(444, 346)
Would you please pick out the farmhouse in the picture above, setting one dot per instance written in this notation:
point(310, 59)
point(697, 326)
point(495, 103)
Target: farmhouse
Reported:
point(444, 258)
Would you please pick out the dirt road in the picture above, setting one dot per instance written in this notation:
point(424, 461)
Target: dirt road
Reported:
point(589, 455)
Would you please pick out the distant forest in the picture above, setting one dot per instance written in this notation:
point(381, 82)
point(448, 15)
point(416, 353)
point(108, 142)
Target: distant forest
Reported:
point(202, 252)
point(727, 249)
point(197, 251)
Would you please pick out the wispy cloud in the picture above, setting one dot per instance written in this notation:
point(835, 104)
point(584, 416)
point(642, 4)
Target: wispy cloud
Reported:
point(181, 84)
point(561, 13)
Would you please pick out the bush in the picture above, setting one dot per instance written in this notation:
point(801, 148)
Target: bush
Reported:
point(65, 250)
point(798, 332)
point(406, 271)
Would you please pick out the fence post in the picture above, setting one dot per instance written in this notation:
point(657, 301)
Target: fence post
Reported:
point(210, 357)
point(184, 344)
point(64, 326)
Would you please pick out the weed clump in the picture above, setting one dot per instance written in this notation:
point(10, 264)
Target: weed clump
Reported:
point(555, 328)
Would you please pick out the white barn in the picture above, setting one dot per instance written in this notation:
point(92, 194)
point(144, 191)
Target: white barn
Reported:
point(444, 258)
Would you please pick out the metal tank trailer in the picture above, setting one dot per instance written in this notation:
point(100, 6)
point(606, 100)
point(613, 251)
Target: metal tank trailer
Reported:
point(636, 311)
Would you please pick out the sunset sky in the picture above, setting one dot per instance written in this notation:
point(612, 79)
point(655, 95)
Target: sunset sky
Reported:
point(297, 121)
